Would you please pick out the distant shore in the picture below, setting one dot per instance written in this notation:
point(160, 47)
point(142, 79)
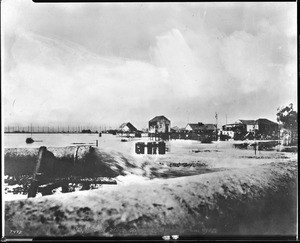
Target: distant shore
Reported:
point(52, 132)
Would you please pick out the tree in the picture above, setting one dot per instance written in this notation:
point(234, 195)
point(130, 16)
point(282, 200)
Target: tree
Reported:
point(288, 117)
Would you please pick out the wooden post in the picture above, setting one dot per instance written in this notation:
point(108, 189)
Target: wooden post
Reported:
point(36, 175)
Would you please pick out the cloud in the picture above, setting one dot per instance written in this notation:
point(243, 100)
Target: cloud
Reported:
point(53, 82)
point(114, 63)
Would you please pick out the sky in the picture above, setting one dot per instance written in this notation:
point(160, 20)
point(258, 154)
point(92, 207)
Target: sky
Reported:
point(109, 63)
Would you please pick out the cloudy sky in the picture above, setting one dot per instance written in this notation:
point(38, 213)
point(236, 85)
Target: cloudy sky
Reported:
point(111, 63)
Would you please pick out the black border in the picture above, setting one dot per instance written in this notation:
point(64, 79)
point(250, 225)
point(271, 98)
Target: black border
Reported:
point(195, 238)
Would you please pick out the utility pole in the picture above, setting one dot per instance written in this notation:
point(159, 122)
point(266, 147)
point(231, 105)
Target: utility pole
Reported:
point(216, 116)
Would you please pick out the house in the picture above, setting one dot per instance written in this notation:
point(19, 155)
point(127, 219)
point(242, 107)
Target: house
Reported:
point(176, 129)
point(262, 127)
point(193, 127)
point(243, 126)
point(248, 125)
point(127, 127)
point(202, 132)
point(159, 124)
point(229, 127)
point(200, 127)
point(267, 128)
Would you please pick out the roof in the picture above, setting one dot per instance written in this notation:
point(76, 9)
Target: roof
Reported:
point(254, 122)
point(210, 126)
point(266, 121)
point(194, 126)
point(129, 125)
point(158, 118)
point(247, 122)
point(200, 126)
point(231, 124)
point(176, 128)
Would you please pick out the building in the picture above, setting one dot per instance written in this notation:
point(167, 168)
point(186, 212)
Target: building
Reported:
point(193, 127)
point(200, 127)
point(267, 128)
point(248, 125)
point(159, 124)
point(202, 132)
point(242, 126)
point(177, 129)
point(263, 128)
point(127, 127)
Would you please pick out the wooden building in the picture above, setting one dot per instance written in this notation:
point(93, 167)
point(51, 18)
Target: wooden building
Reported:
point(262, 128)
point(266, 128)
point(200, 127)
point(127, 127)
point(200, 131)
point(159, 124)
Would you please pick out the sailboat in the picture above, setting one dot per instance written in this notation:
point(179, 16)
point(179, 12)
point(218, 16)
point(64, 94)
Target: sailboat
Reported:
point(30, 140)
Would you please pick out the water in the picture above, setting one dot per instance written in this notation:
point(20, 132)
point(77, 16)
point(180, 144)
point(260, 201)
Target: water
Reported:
point(180, 160)
point(106, 141)
point(52, 140)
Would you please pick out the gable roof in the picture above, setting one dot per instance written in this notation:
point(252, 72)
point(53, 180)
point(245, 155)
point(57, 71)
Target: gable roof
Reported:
point(129, 125)
point(254, 122)
point(157, 118)
point(123, 125)
point(210, 126)
point(194, 126)
point(266, 121)
point(247, 122)
point(177, 129)
point(200, 126)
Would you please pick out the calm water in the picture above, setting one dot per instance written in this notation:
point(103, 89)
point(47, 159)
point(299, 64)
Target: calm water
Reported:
point(106, 141)
point(53, 140)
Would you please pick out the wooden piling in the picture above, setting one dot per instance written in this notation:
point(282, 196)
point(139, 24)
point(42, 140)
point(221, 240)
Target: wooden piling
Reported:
point(36, 175)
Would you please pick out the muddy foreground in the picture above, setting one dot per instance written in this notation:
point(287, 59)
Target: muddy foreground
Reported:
point(256, 200)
